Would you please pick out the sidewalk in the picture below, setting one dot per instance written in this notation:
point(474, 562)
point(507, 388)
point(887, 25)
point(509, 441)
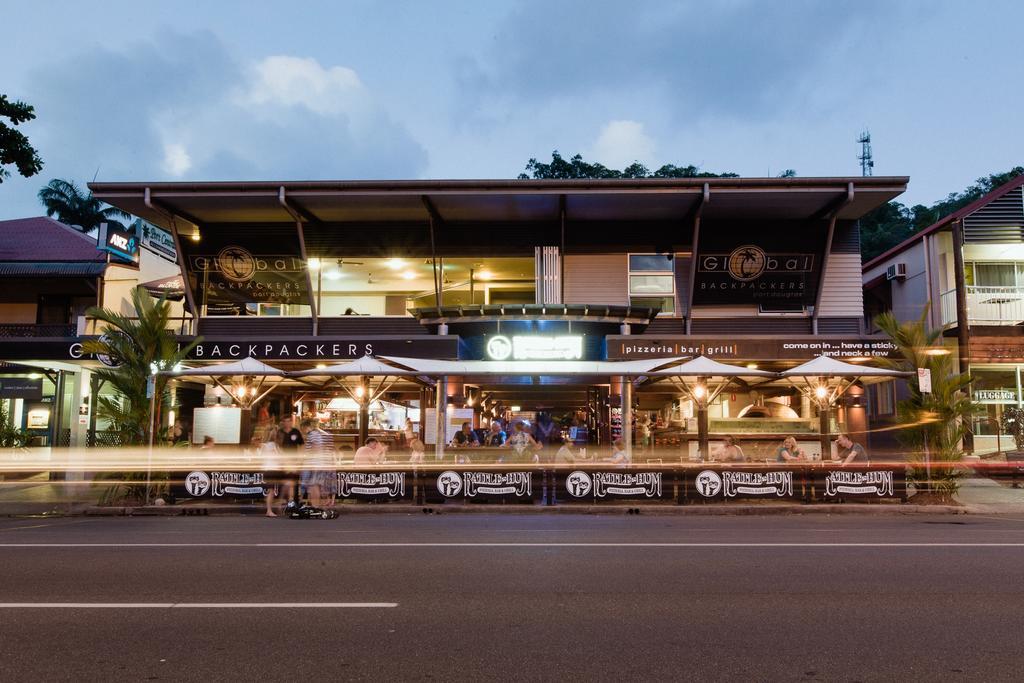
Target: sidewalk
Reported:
point(988, 496)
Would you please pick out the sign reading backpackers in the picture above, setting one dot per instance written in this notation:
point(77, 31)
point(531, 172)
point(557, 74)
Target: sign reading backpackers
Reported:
point(380, 485)
point(766, 264)
point(516, 485)
point(230, 268)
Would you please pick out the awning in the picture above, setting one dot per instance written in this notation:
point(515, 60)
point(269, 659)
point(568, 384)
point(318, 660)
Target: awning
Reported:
point(702, 366)
point(249, 367)
point(440, 368)
point(171, 288)
point(826, 366)
point(51, 269)
point(367, 365)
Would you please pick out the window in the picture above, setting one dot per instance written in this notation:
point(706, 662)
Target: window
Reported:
point(994, 274)
point(652, 281)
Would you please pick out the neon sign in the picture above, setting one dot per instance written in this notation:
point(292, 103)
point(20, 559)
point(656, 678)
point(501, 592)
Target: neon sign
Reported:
point(535, 347)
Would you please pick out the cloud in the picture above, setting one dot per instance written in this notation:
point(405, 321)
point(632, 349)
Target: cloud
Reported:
point(742, 58)
point(622, 142)
point(180, 106)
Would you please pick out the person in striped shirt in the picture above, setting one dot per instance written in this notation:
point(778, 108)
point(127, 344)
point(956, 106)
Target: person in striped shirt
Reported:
point(318, 477)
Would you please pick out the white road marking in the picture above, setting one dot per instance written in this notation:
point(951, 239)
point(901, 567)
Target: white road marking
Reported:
point(195, 605)
point(515, 545)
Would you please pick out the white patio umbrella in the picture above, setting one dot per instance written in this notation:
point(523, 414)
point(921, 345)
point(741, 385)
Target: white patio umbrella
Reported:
point(702, 371)
point(825, 379)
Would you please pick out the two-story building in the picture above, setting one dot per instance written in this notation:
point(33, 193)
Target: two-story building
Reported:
point(763, 272)
point(969, 269)
point(50, 274)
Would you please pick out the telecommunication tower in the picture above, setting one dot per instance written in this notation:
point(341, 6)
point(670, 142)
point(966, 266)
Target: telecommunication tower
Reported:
point(867, 164)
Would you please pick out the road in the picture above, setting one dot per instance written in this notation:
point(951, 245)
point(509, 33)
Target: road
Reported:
point(489, 597)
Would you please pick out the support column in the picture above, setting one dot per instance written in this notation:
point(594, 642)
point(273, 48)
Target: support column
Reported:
point(823, 431)
point(364, 411)
point(627, 416)
point(703, 428)
point(963, 321)
point(626, 394)
point(441, 407)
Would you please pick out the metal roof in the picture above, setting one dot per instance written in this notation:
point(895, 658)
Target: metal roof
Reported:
point(508, 201)
point(51, 269)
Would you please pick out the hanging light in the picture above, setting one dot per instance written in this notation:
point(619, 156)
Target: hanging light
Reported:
point(700, 391)
point(821, 392)
point(240, 391)
point(360, 391)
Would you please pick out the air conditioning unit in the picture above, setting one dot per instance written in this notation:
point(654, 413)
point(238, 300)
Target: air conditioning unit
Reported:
point(897, 271)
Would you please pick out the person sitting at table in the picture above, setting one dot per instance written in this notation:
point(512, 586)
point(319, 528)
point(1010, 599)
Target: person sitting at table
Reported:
point(619, 455)
point(789, 451)
point(729, 451)
point(416, 447)
point(465, 437)
point(370, 454)
point(521, 442)
point(565, 454)
point(850, 453)
point(497, 436)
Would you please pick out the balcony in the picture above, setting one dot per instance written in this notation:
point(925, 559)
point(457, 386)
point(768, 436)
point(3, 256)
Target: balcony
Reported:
point(986, 306)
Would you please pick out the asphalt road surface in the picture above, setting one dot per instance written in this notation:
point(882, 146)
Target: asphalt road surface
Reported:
point(498, 597)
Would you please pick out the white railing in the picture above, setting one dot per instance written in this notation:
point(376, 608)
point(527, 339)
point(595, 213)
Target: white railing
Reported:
point(986, 306)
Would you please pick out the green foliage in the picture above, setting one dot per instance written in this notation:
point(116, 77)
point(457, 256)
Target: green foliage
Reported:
point(933, 424)
point(10, 435)
point(72, 206)
point(139, 343)
point(14, 146)
point(565, 169)
point(891, 223)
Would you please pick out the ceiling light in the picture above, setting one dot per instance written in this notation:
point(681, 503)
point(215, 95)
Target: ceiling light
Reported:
point(752, 366)
point(409, 275)
point(313, 263)
point(195, 237)
point(485, 275)
point(320, 366)
point(395, 263)
point(333, 274)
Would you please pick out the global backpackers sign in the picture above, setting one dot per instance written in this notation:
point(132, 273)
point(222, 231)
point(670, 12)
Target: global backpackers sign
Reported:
point(229, 268)
point(763, 265)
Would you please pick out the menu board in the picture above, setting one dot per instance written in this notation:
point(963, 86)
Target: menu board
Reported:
point(222, 423)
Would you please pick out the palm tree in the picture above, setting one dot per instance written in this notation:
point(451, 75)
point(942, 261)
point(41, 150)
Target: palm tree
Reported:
point(934, 423)
point(72, 206)
point(137, 346)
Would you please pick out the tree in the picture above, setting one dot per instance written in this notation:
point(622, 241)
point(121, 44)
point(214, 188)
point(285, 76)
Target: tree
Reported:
point(72, 206)
point(14, 146)
point(891, 223)
point(933, 424)
point(138, 345)
point(562, 169)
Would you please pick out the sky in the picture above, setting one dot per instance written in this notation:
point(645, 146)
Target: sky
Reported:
point(251, 90)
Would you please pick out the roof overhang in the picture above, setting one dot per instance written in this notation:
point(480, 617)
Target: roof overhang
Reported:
point(497, 201)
